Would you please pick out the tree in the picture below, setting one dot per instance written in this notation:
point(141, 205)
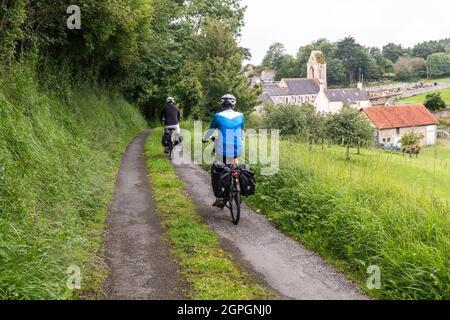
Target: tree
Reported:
point(214, 68)
point(410, 69)
point(349, 128)
point(411, 143)
point(287, 68)
point(427, 48)
point(336, 72)
point(439, 65)
point(385, 64)
point(274, 57)
point(393, 51)
point(434, 102)
point(353, 56)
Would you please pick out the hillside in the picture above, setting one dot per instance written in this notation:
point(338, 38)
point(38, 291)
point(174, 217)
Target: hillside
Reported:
point(58, 159)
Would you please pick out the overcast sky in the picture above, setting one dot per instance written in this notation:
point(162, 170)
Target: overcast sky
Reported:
point(370, 22)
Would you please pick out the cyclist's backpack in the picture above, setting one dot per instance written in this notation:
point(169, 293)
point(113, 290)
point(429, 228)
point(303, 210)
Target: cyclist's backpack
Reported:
point(220, 180)
point(247, 181)
point(165, 141)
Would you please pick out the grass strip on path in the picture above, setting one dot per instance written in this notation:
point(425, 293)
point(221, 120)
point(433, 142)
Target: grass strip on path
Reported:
point(210, 271)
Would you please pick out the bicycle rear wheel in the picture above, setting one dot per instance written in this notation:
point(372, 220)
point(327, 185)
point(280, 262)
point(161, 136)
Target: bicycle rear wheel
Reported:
point(170, 150)
point(235, 206)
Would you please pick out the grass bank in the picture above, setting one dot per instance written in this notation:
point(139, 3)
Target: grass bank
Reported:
point(379, 209)
point(209, 270)
point(58, 161)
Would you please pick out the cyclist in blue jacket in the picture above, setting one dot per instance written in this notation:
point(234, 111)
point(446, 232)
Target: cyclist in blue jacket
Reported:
point(230, 125)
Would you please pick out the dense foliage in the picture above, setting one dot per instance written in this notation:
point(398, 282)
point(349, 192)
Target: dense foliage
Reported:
point(144, 48)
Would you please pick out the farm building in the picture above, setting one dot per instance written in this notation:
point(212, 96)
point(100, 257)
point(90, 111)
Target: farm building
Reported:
point(394, 122)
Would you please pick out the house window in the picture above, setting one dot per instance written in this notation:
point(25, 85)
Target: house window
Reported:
point(398, 131)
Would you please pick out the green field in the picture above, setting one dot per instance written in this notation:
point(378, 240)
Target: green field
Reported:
point(422, 97)
point(439, 80)
point(380, 208)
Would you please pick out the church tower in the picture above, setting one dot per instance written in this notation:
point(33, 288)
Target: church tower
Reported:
point(317, 67)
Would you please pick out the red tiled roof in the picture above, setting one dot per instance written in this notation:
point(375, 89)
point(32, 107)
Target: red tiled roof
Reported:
point(400, 116)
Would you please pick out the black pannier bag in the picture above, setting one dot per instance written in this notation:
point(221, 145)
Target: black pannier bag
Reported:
point(165, 141)
point(247, 181)
point(220, 180)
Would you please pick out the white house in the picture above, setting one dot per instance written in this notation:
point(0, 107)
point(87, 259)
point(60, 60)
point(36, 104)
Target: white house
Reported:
point(333, 100)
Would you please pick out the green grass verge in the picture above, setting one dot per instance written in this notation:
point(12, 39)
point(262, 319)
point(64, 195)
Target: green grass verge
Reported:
point(421, 98)
point(58, 162)
point(209, 270)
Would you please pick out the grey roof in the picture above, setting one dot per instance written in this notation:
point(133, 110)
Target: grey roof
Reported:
point(265, 98)
point(298, 87)
point(295, 87)
point(347, 96)
point(277, 91)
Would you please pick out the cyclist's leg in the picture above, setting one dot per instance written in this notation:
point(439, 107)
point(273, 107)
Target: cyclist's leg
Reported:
point(219, 159)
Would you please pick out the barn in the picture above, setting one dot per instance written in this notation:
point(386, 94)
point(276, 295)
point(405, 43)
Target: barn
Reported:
point(392, 122)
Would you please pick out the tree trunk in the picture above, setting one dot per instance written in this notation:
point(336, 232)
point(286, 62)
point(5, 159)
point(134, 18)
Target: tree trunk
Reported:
point(347, 153)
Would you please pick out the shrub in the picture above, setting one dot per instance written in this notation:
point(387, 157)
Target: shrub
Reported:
point(434, 102)
point(300, 122)
point(411, 143)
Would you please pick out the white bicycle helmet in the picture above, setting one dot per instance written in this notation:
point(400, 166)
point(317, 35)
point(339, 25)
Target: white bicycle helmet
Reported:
point(228, 100)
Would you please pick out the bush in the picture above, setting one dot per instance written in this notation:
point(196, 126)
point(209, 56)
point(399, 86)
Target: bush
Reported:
point(300, 122)
point(434, 102)
point(411, 143)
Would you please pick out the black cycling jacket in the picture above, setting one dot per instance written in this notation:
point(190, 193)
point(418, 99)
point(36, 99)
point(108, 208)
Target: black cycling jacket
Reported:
point(170, 115)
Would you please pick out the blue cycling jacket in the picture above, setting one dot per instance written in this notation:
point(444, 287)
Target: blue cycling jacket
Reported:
point(230, 124)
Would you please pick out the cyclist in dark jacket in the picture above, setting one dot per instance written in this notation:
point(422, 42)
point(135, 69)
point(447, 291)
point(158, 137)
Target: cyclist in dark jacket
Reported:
point(170, 117)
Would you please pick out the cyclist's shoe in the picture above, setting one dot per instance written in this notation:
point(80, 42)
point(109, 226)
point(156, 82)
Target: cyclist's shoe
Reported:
point(219, 203)
point(166, 150)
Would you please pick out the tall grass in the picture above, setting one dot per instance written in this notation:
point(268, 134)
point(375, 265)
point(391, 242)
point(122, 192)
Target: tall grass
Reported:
point(380, 209)
point(58, 159)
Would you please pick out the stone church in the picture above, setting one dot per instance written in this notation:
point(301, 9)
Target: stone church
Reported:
point(313, 90)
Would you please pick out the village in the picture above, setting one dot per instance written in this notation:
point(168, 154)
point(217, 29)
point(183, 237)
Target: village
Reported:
point(391, 120)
